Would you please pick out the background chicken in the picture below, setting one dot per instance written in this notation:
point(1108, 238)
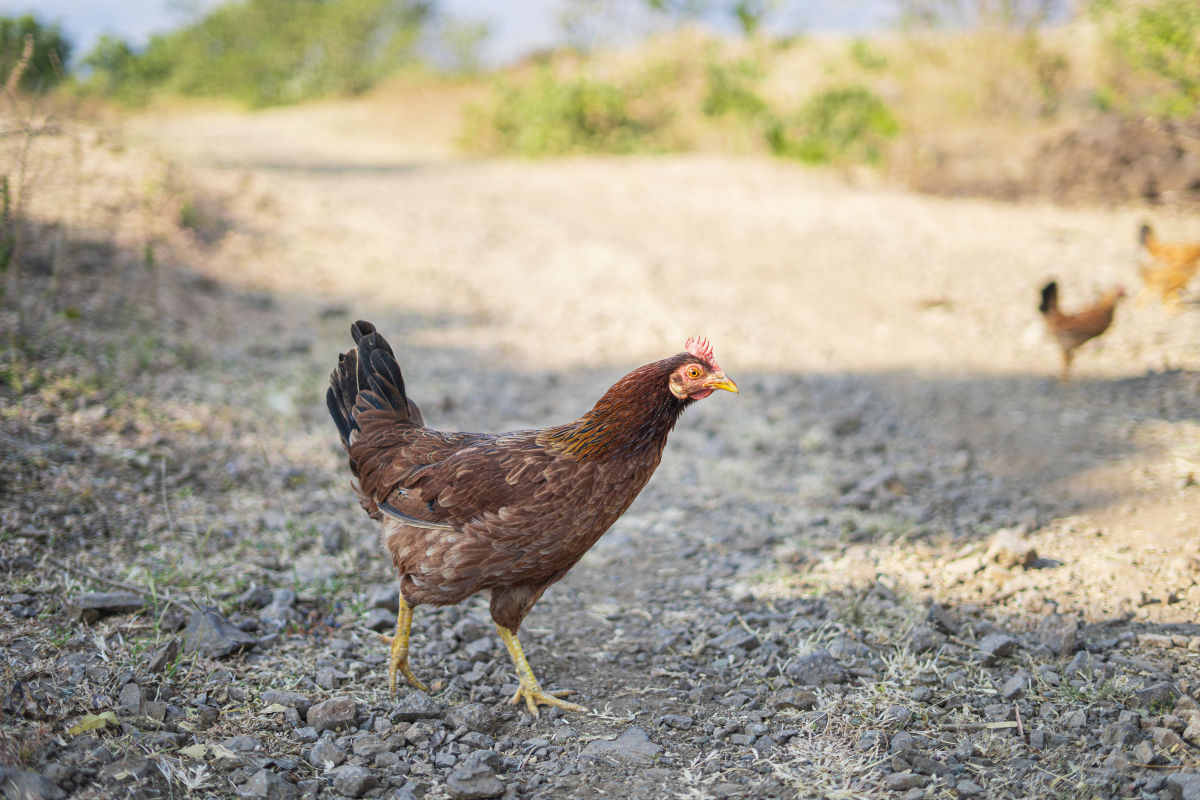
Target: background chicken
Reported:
point(1071, 331)
point(1171, 265)
point(508, 514)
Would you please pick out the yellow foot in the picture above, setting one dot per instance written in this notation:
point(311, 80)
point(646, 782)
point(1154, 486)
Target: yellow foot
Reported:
point(399, 663)
point(535, 696)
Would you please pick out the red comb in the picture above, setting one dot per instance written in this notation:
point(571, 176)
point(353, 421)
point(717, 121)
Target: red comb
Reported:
point(701, 349)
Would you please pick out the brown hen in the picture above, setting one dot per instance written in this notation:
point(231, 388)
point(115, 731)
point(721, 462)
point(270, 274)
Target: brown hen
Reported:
point(1171, 267)
point(505, 514)
point(1072, 331)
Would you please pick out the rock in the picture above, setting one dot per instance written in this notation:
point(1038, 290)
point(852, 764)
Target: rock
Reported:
point(1184, 786)
point(272, 520)
point(267, 785)
point(414, 706)
point(968, 788)
point(386, 597)
point(325, 753)
point(1118, 762)
point(473, 716)
point(1167, 740)
point(473, 780)
point(817, 669)
point(735, 639)
point(1058, 632)
point(370, 746)
point(793, 698)
point(214, 636)
point(633, 745)
point(1119, 735)
point(1143, 753)
point(896, 717)
point(1083, 664)
point(1009, 549)
point(134, 768)
point(678, 722)
point(333, 538)
point(1155, 640)
point(280, 612)
point(353, 781)
point(1014, 688)
point(17, 784)
point(1160, 695)
point(844, 649)
point(338, 712)
point(480, 649)
point(924, 639)
point(939, 618)
point(1192, 732)
point(469, 629)
point(255, 597)
point(1037, 740)
point(380, 620)
point(994, 647)
point(302, 704)
point(305, 735)
point(163, 657)
point(88, 608)
point(242, 744)
point(903, 781)
point(131, 699)
point(871, 740)
point(1076, 720)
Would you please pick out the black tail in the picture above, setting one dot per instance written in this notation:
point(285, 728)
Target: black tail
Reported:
point(1049, 298)
point(367, 377)
point(1145, 235)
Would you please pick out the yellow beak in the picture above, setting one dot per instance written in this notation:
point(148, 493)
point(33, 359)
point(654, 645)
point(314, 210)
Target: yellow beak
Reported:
point(719, 381)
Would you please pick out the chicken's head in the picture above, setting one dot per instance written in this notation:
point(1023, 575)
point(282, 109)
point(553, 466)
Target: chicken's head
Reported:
point(698, 376)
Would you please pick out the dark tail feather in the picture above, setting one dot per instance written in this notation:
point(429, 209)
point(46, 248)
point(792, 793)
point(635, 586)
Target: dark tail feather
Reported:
point(367, 377)
point(1049, 298)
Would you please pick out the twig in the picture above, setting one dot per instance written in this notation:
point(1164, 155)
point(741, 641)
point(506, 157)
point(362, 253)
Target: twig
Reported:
point(127, 586)
point(166, 505)
point(1020, 727)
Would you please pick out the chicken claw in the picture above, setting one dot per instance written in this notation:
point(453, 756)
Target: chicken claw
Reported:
point(399, 643)
point(530, 689)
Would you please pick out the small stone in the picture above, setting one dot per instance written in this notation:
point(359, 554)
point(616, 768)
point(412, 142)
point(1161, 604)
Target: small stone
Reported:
point(272, 697)
point(1083, 664)
point(267, 785)
point(17, 784)
point(480, 650)
point(327, 679)
point(1076, 719)
point(968, 788)
point(215, 636)
point(324, 753)
point(924, 639)
point(1160, 695)
point(1009, 549)
point(1058, 632)
point(1118, 762)
point(1119, 735)
point(306, 735)
point(1014, 688)
point(677, 722)
point(338, 712)
point(163, 657)
point(413, 706)
point(1167, 740)
point(469, 629)
point(1155, 640)
point(939, 618)
point(1037, 740)
point(903, 781)
point(242, 744)
point(994, 647)
point(817, 669)
point(370, 746)
point(272, 520)
point(901, 742)
point(473, 716)
point(798, 699)
point(871, 740)
point(379, 619)
point(473, 780)
point(88, 608)
point(1143, 753)
point(280, 612)
point(127, 769)
point(353, 781)
point(255, 597)
point(333, 538)
point(385, 597)
point(1185, 786)
point(131, 699)
point(633, 745)
point(735, 639)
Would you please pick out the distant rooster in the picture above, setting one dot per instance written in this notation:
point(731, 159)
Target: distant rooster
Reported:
point(1171, 266)
point(1072, 331)
point(505, 514)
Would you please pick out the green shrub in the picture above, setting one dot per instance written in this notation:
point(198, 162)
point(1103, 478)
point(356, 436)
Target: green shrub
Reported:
point(866, 56)
point(847, 125)
point(41, 73)
point(547, 115)
point(1161, 37)
point(269, 52)
point(731, 90)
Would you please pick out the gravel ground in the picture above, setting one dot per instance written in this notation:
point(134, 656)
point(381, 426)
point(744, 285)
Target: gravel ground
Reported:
point(903, 562)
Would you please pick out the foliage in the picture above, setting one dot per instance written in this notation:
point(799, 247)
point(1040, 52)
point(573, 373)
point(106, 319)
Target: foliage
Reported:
point(835, 126)
point(866, 56)
point(49, 44)
point(1161, 37)
point(269, 52)
point(731, 89)
point(547, 115)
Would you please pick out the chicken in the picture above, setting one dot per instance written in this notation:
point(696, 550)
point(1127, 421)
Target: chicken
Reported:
point(1171, 266)
point(1072, 331)
point(505, 514)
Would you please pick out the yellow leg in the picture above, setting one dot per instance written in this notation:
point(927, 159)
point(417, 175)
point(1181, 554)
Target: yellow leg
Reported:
point(530, 688)
point(399, 644)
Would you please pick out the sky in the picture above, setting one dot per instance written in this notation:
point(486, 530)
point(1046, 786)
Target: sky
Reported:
point(517, 27)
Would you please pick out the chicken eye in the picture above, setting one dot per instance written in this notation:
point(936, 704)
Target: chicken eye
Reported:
point(693, 372)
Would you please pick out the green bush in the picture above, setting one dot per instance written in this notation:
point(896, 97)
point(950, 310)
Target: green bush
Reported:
point(41, 73)
point(550, 116)
point(1161, 37)
point(269, 52)
point(731, 90)
point(847, 125)
point(867, 57)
